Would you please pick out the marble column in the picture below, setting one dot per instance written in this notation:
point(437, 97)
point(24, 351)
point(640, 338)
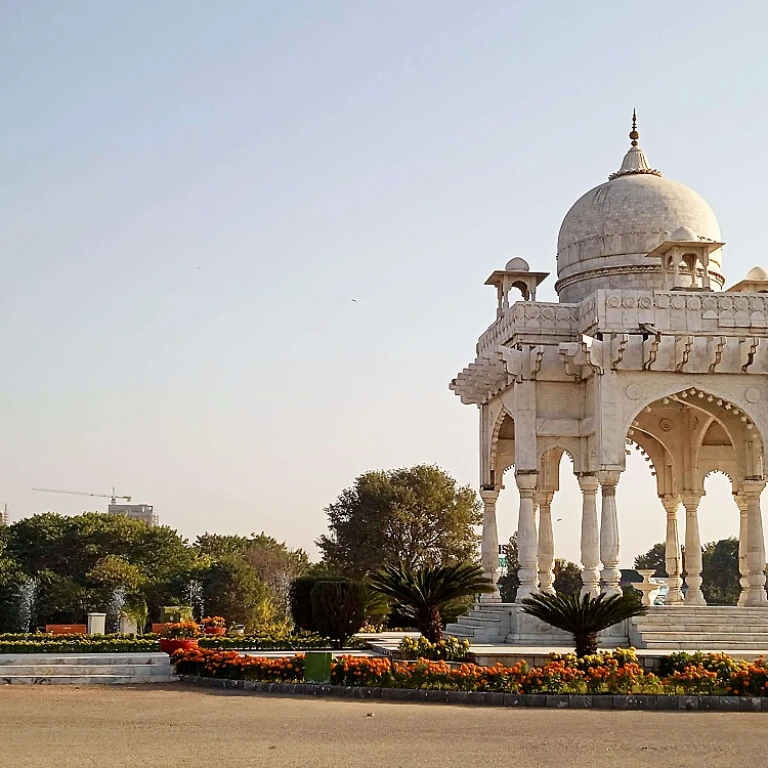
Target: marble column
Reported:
point(756, 596)
point(527, 543)
point(693, 595)
point(590, 537)
point(490, 543)
point(609, 533)
point(673, 558)
point(546, 552)
point(741, 503)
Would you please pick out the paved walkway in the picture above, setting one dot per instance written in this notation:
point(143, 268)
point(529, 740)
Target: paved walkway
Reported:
point(167, 726)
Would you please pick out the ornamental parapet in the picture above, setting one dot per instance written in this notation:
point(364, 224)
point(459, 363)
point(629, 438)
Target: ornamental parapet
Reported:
point(674, 312)
point(533, 319)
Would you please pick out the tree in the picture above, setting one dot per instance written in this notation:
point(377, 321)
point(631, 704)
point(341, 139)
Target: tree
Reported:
point(567, 575)
point(231, 589)
point(720, 572)
point(655, 557)
point(276, 566)
point(71, 548)
point(567, 578)
point(583, 616)
point(418, 516)
point(425, 592)
point(338, 609)
point(509, 581)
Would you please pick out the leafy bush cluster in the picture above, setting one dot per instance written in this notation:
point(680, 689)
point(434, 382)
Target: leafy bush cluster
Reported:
point(447, 649)
point(603, 673)
point(285, 642)
point(36, 643)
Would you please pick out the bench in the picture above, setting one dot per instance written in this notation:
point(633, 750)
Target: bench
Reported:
point(66, 629)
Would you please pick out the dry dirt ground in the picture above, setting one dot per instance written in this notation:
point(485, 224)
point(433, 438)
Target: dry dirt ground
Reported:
point(159, 726)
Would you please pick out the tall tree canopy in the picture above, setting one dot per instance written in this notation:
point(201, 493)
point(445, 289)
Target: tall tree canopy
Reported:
point(247, 577)
point(418, 516)
point(79, 561)
point(654, 558)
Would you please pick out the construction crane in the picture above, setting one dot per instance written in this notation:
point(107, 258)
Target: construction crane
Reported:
point(112, 497)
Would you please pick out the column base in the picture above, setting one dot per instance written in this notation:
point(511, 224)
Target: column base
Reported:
point(611, 591)
point(490, 597)
point(756, 598)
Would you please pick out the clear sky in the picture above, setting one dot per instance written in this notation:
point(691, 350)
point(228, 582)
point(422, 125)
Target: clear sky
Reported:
point(193, 193)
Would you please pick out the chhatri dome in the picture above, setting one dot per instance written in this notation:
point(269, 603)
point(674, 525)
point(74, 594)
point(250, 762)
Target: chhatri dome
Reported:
point(606, 236)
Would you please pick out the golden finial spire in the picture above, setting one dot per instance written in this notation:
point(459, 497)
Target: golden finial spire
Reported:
point(633, 134)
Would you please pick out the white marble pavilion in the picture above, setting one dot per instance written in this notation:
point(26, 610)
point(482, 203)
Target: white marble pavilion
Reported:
point(646, 346)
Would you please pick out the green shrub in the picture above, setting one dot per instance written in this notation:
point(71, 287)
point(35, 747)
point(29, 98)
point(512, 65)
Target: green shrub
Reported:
point(447, 649)
point(338, 609)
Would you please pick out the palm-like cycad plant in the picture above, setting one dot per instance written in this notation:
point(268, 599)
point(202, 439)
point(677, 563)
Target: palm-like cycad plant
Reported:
point(425, 592)
point(584, 616)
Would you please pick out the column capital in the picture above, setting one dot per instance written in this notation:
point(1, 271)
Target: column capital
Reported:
point(751, 488)
point(691, 500)
point(588, 482)
point(670, 503)
point(544, 498)
point(489, 495)
point(526, 483)
point(609, 477)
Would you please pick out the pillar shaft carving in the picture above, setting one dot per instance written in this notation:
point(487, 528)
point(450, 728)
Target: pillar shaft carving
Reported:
point(546, 552)
point(755, 558)
point(694, 595)
point(609, 533)
point(527, 543)
point(590, 536)
point(741, 503)
point(490, 543)
point(673, 557)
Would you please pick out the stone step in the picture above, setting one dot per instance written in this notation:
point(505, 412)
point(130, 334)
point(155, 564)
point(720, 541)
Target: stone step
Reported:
point(37, 670)
point(704, 628)
point(709, 610)
point(472, 621)
point(701, 638)
point(87, 679)
point(686, 645)
point(106, 659)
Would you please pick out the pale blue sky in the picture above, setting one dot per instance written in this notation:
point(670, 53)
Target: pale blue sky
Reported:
point(191, 195)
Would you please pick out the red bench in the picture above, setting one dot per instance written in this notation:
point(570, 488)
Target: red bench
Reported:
point(66, 629)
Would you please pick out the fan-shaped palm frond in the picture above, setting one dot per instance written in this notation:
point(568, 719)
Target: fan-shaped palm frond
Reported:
point(426, 591)
point(583, 616)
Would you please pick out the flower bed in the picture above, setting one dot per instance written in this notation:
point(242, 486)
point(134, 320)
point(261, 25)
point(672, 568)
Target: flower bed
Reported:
point(603, 673)
point(232, 665)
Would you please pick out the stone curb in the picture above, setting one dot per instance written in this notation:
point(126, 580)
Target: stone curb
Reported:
point(495, 699)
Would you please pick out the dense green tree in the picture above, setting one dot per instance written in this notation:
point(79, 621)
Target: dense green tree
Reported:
point(82, 555)
point(654, 558)
point(720, 572)
point(338, 608)
point(418, 516)
point(232, 589)
point(567, 574)
point(567, 577)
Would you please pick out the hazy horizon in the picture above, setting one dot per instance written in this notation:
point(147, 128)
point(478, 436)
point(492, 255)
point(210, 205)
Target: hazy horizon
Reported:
point(191, 198)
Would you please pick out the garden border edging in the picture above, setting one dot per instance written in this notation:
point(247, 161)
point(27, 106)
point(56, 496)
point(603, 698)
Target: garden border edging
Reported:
point(496, 699)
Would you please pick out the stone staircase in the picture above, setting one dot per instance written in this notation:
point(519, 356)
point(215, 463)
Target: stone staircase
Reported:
point(484, 623)
point(708, 628)
point(85, 669)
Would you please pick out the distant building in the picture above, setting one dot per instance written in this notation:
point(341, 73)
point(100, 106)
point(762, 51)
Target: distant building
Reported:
point(4, 518)
point(145, 512)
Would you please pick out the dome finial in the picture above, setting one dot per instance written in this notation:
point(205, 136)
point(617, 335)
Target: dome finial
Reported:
point(634, 161)
point(633, 134)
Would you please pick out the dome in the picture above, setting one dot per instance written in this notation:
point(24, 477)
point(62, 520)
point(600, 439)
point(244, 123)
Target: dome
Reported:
point(606, 236)
point(684, 235)
point(757, 273)
point(517, 265)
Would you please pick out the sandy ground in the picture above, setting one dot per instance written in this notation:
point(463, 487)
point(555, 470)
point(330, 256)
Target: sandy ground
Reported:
point(177, 725)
